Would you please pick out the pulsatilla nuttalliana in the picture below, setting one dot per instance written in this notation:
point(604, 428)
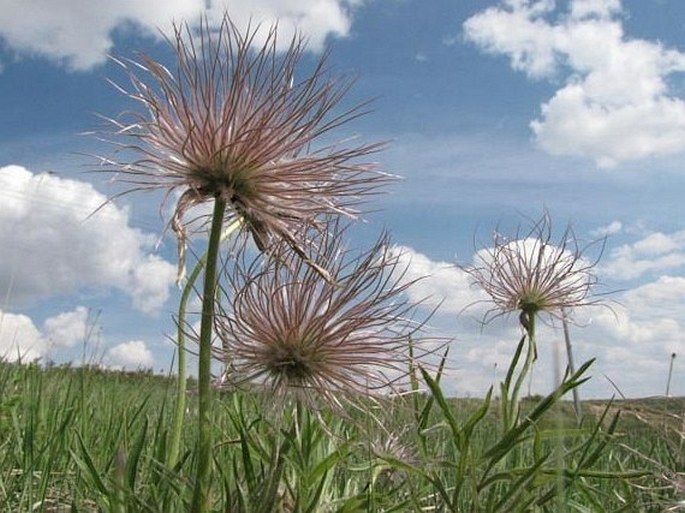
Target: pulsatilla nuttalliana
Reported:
point(287, 329)
point(531, 274)
point(235, 120)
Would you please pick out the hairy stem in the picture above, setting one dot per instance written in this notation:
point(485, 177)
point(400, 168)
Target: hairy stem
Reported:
point(201, 497)
point(531, 354)
point(179, 414)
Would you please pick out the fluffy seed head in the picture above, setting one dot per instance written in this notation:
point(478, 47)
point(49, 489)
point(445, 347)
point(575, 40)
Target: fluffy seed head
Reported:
point(298, 335)
point(235, 120)
point(531, 274)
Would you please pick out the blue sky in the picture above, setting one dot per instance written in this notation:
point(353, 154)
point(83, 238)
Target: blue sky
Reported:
point(494, 110)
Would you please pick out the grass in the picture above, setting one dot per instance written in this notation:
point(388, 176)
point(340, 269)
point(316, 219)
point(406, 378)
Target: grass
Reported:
point(87, 440)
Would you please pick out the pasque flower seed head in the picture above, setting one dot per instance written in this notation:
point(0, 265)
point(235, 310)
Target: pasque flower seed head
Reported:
point(234, 119)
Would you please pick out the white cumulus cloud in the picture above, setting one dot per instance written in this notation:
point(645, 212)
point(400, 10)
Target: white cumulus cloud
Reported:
point(634, 341)
point(655, 253)
point(131, 355)
point(22, 340)
point(615, 104)
point(19, 338)
point(54, 244)
point(78, 33)
point(439, 283)
point(612, 228)
point(68, 328)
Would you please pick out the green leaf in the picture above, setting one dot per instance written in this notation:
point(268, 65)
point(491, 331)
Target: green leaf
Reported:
point(134, 457)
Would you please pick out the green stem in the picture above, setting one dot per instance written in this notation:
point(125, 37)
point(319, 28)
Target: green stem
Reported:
point(177, 430)
point(201, 496)
point(531, 354)
point(572, 367)
point(179, 414)
point(505, 387)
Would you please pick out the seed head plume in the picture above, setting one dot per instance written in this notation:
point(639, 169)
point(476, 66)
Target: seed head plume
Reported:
point(299, 335)
point(233, 119)
point(531, 274)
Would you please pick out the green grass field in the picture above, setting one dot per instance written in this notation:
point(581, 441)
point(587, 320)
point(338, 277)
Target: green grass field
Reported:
point(86, 440)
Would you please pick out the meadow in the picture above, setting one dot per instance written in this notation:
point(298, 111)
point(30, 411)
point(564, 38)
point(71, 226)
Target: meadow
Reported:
point(331, 398)
point(87, 440)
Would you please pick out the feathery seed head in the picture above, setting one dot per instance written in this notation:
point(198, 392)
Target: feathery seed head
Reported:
point(318, 340)
point(530, 274)
point(392, 450)
point(234, 120)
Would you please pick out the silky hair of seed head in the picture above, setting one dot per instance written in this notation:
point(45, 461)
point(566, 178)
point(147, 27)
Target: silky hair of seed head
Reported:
point(235, 120)
point(289, 331)
point(531, 274)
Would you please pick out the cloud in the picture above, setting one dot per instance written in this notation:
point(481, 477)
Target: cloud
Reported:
point(54, 244)
point(130, 355)
point(610, 229)
point(632, 341)
point(79, 33)
point(656, 253)
point(439, 283)
point(67, 329)
point(663, 298)
point(615, 104)
point(19, 338)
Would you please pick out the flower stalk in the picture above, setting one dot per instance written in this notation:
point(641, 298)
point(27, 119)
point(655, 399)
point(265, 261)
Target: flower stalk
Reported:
point(234, 124)
point(532, 275)
point(531, 356)
point(179, 413)
point(201, 495)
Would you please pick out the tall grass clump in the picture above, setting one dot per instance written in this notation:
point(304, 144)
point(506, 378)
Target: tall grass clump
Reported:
point(89, 440)
point(77, 439)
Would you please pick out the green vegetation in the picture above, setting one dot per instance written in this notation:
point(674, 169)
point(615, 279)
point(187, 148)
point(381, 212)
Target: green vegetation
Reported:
point(312, 333)
point(86, 440)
